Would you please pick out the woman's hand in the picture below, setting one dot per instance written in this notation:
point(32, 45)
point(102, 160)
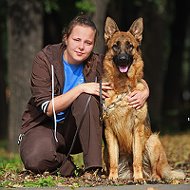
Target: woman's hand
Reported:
point(94, 88)
point(137, 98)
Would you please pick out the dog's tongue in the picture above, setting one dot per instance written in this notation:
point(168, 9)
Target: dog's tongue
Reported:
point(123, 69)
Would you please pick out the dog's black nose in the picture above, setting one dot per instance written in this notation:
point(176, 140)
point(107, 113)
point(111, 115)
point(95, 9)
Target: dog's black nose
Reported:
point(124, 58)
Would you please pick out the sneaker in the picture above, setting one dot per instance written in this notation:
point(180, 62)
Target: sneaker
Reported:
point(67, 168)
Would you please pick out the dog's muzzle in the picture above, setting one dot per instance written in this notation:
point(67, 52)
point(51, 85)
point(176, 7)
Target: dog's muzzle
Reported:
point(123, 59)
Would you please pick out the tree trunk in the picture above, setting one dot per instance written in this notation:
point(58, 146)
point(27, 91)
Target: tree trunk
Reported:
point(3, 74)
point(99, 19)
point(25, 29)
point(3, 107)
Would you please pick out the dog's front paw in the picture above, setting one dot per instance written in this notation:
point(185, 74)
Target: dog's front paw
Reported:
point(155, 178)
point(113, 176)
point(139, 180)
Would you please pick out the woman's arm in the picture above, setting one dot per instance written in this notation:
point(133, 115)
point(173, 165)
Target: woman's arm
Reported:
point(63, 101)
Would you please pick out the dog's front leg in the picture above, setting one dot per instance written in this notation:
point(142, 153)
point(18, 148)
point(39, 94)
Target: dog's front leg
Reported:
point(113, 154)
point(137, 154)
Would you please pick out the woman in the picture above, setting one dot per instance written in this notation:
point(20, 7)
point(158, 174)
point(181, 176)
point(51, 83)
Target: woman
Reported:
point(65, 97)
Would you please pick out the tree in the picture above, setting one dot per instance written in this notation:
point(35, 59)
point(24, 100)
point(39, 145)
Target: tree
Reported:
point(25, 30)
point(99, 19)
point(3, 71)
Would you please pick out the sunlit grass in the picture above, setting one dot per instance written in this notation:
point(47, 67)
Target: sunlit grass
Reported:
point(9, 162)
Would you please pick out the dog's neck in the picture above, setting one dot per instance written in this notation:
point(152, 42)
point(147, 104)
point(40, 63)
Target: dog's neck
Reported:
point(124, 84)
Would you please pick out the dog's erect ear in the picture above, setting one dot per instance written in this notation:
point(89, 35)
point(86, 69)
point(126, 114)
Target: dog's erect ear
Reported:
point(137, 29)
point(110, 28)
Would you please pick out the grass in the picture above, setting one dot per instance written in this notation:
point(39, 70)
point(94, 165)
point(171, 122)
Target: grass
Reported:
point(10, 166)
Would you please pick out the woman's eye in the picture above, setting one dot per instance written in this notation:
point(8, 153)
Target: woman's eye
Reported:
point(89, 43)
point(76, 39)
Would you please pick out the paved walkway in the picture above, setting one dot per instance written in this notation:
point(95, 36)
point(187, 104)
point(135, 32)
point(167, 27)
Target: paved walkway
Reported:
point(124, 187)
point(141, 187)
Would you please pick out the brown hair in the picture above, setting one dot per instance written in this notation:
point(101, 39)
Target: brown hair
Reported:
point(82, 20)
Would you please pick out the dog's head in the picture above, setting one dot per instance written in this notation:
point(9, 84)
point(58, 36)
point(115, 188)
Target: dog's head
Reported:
point(123, 46)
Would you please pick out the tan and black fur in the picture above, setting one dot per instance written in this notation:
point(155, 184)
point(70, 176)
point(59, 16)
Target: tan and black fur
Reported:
point(130, 144)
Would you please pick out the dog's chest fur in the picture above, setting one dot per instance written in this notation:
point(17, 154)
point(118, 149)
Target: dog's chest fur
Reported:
point(122, 120)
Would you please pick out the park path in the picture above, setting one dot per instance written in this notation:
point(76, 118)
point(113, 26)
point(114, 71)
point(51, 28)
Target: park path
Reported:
point(124, 187)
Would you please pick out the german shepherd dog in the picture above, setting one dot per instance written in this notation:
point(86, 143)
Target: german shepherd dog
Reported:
point(130, 144)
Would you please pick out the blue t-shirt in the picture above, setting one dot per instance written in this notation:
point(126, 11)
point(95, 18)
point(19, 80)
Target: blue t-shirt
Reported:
point(73, 77)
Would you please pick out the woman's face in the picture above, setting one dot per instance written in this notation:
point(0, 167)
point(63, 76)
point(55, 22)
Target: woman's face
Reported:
point(79, 44)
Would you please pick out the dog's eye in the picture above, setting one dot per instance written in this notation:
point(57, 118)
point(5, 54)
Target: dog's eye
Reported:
point(129, 46)
point(115, 47)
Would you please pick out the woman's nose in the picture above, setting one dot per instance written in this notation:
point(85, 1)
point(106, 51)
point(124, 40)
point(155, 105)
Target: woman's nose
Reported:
point(81, 45)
